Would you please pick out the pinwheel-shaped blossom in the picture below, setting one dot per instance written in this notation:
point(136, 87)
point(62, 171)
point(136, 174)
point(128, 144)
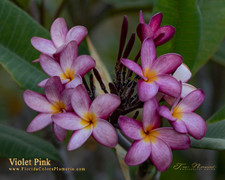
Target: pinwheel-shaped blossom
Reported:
point(71, 67)
point(182, 117)
point(155, 72)
point(60, 38)
point(56, 100)
point(150, 140)
point(89, 119)
point(161, 35)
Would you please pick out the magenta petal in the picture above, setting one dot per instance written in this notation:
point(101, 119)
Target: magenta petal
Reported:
point(42, 83)
point(169, 99)
point(161, 155)
point(83, 64)
point(165, 112)
point(167, 63)
point(138, 153)
point(104, 105)
point(105, 134)
point(66, 98)
point(75, 82)
point(187, 89)
point(69, 121)
point(59, 132)
point(68, 55)
point(156, 21)
point(182, 73)
point(179, 126)
point(130, 127)
point(37, 101)
point(144, 31)
point(146, 90)
point(43, 45)
point(133, 67)
point(163, 35)
point(196, 126)
point(78, 138)
point(141, 18)
point(150, 117)
point(169, 85)
point(192, 101)
point(148, 54)
point(58, 32)
point(76, 33)
point(39, 122)
point(50, 66)
point(80, 100)
point(175, 140)
point(53, 89)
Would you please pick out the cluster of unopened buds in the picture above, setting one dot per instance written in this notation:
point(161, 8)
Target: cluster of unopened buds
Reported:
point(159, 86)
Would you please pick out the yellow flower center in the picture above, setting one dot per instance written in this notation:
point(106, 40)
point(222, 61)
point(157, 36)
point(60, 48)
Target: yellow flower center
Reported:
point(177, 113)
point(89, 119)
point(150, 75)
point(68, 74)
point(149, 136)
point(58, 107)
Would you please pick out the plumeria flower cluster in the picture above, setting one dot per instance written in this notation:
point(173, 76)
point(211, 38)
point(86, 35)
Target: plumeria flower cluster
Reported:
point(158, 85)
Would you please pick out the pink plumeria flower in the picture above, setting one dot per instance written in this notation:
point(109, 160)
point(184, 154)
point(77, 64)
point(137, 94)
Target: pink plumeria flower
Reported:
point(151, 141)
point(70, 68)
point(90, 119)
point(56, 100)
point(182, 117)
point(60, 38)
point(161, 35)
point(155, 72)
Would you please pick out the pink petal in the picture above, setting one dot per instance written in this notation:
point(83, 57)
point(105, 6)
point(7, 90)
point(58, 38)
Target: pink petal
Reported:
point(161, 155)
point(138, 153)
point(53, 89)
point(175, 140)
point(169, 99)
point(36, 60)
point(42, 83)
point(58, 32)
point(83, 64)
point(69, 121)
point(39, 122)
point(167, 63)
point(163, 35)
point(150, 117)
point(133, 67)
point(75, 82)
point(37, 101)
point(66, 98)
point(156, 21)
point(104, 105)
point(148, 53)
point(76, 33)
point(187, 89)
point(147, 90)
point(78, 138)
point(43, 45)
point(50, 66)
point(196, 126)
point(179, 126)
point(192, 101)
point(169, 85)
point(59, 132)
point(80, 100)
point(130, 127)
point(68, 55)
point(182, 73)
point(144, 31)
point(165, 112)
point(141, 18)
point(105, 134)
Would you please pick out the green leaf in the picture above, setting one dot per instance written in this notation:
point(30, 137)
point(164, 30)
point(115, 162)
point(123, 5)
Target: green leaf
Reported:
point(218, 116)
point(213, 30)
point(17, 143)
point(185, 17)
point(219, 56)
point(214, 139)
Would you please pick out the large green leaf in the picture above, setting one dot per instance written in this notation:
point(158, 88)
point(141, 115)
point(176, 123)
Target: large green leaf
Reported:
point(219, 56)
point(218, 116)
point(185, 17)
point(17, 143)
point(213, 30)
